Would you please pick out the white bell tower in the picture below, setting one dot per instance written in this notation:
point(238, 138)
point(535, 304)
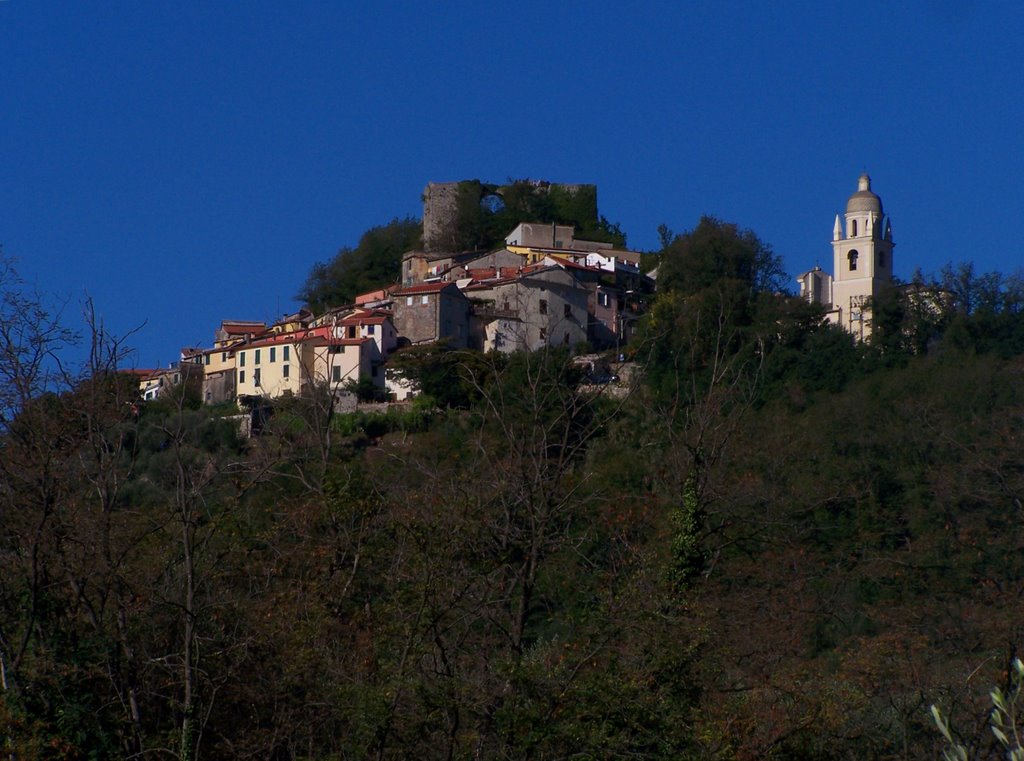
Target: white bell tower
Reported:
point(862, 259)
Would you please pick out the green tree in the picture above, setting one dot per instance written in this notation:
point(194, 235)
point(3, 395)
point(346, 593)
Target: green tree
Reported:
point(715, 252)
point(486, 213)
point(375, 262)
point(445, 376)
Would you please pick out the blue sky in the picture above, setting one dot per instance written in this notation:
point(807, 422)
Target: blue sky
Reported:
point(187, 162)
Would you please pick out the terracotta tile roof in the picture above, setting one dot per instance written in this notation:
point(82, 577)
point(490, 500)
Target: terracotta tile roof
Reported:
point(412, 290)
point(490, 274)
point(238, 327)
point(271, 340)
point(379, 295)
point(322, 333)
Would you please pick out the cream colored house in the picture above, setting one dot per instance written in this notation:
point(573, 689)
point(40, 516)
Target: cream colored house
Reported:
point(270, 366)
point(337, 361)
point(275, 365)
point(363, 322)
point(218, 363)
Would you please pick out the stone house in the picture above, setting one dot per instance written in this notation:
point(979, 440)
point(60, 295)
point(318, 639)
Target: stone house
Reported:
point(541, 306)
point(428, 312)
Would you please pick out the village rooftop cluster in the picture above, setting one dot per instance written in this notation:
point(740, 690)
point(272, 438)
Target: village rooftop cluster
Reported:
point(543, 288)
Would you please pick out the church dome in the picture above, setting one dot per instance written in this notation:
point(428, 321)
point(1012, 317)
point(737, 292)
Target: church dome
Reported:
point(864, 199)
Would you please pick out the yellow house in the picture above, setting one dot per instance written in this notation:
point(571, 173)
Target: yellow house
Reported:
point(271, 366)
point(218, 363)
point(285, 363)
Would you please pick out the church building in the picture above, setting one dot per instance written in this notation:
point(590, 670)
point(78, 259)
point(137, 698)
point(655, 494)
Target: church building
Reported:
point(861, 262)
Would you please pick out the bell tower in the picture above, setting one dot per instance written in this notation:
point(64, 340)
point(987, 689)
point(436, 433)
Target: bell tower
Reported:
point(862, 259)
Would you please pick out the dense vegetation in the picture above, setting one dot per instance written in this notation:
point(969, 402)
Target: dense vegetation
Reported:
point(375, 262)
point(485, 213)
point(779, 544)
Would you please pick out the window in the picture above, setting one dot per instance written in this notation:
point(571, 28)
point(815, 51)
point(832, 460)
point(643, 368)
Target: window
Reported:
point(256, 377)
point(223, 356)
point(285, 352)
point(543, 306)
point(408, 301)
point(853, 228)
point(273, 354)
point(852, 257)
point(602, 299)
point(567, 309)
point(241, 359)
point(351, 331)
point(207, 359)
point(336, 373)
point(424, 299)
point(241, 376)
point(370, 329)
point(256, 358)
point(881, 258)
point(337, 349)
point(284, 371)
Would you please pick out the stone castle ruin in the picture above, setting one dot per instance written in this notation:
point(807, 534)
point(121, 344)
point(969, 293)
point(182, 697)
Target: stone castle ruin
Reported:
point(460, 216)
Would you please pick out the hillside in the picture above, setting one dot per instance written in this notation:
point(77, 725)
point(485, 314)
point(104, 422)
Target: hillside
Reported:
point(777, 544)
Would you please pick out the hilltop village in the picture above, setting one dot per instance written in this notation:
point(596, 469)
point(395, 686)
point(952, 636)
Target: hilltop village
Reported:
point(789, 526)
point(544, 286)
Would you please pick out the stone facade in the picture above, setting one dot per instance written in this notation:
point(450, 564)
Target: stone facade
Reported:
point(547, 307)
point(440, 215)
point(432, 311)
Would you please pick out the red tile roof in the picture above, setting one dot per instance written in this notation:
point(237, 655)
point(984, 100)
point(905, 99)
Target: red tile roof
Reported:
point(271, 340)
point(323, 333)
point(380, 295)
point(238, 327)
point(358, 319)
point(422, 288)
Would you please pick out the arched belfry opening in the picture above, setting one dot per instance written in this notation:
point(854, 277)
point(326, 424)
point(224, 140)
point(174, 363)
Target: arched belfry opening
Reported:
point(863, 260)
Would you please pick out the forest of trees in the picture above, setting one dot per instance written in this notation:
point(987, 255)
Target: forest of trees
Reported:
point(778, 544)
